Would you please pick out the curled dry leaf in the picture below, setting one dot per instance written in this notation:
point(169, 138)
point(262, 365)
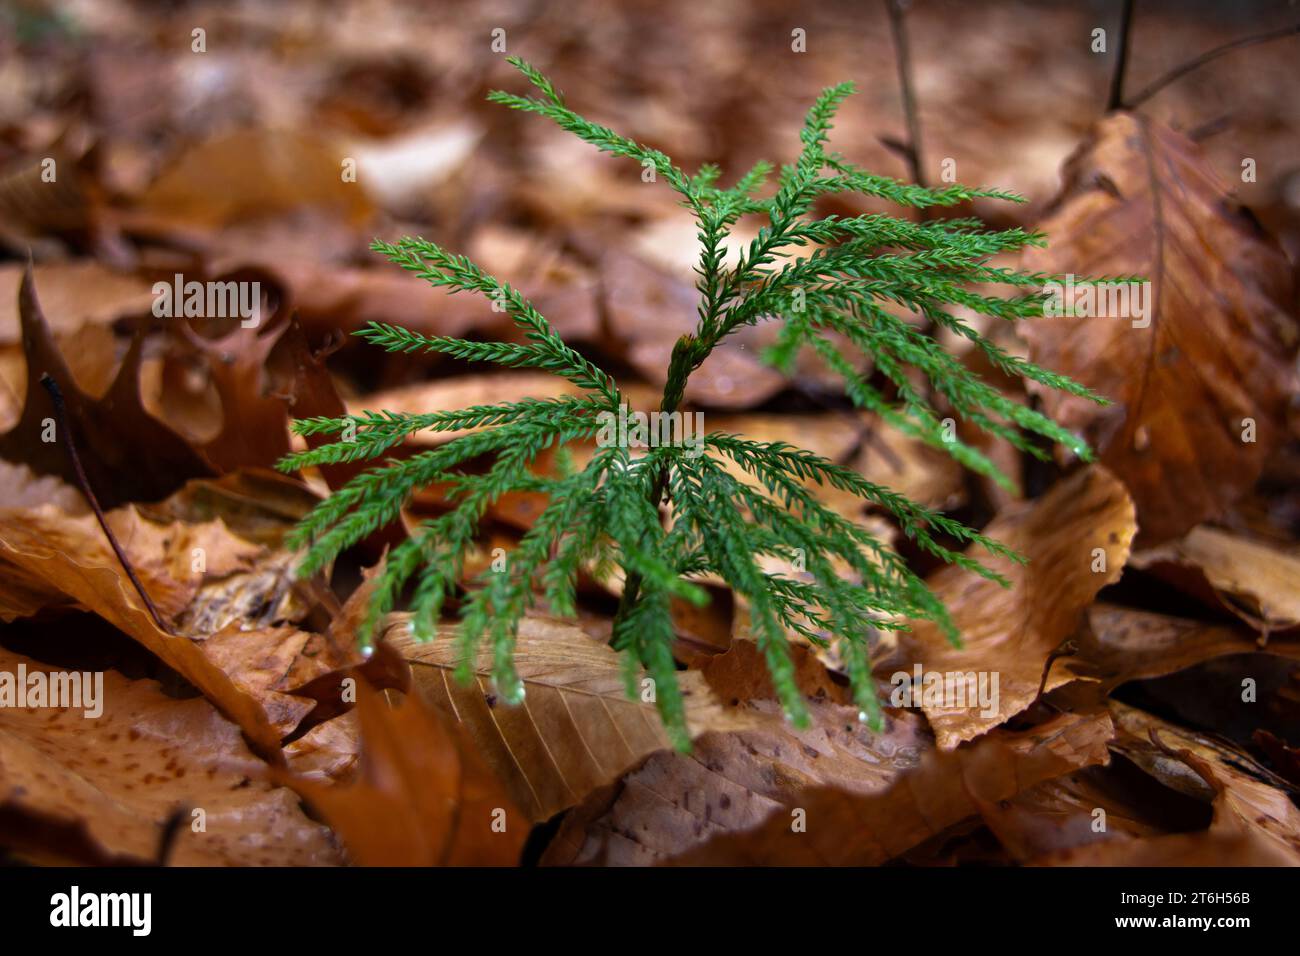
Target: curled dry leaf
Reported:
point(260, 376)
point(1255, 822)
point(101, 790)
point(1201, 391)
point(244, 672)
point(74, 294)
point(257, 504)
point(1077, 538)
point(128, 454)
point(576, 730)
point(835, 795)
point(328, 751)
point(1121, 644)
point(1062, 814)
point(1257, 582)
point(422, 796)
point(842, 828)
point(750, 781)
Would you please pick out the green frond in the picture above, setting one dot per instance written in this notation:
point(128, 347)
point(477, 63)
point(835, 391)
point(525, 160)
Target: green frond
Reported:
point(862, 292)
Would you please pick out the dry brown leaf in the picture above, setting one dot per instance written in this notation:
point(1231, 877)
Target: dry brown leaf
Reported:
point(576, 730)
point(741, 674)
point(1257, 582)
point(422, 796)
point(257, 504)
point(1281, 755)
point(102, 789)
point(330, 296)
point(1061, 814)
point(1077, 538)
point(91, 353)
point(328, 751)
point(461, 392)
point(880, 453)
point(732, 782)
point(73, 294)
point(128, 455)
point(854, 829)
point(1255, 822)
point(249, 174)
point(20, 487)
point(244, 672)
point(1139, 200)
point(1122, 644)
point(863, 799)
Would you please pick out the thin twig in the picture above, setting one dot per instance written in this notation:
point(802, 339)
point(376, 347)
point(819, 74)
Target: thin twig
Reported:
point(171, 829)
point(903, 58)
point(1116, 99)
point(64, 425)
point(1180, 71)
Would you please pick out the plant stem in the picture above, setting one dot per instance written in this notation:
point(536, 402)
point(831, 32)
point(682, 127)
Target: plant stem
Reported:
point(903, 56)
point(688, 353)
point(1116, 99)
point(1180, 71)
point(64, 423)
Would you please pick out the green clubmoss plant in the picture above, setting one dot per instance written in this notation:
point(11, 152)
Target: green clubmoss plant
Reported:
point(667, 515)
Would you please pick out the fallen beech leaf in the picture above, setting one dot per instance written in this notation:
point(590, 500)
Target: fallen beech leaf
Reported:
point(249, 174)
point(702, 632)
point(1217, 356)
point(101, 789)
point(1256, 582)
point(328, 751)
point(733, 782)
point(422, 797)
point(576, 730)
point(1077, 539)
point(128, 455)
point(740, 674)
point(1062, 814)
point(862, 442)
point(836, 795)
point(1255, 822)
point(461, 392)
point(1122, 644)
point(853, 829)
point(162, 555)
point(75, 294)
point(257, 504)
point(245, 673)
